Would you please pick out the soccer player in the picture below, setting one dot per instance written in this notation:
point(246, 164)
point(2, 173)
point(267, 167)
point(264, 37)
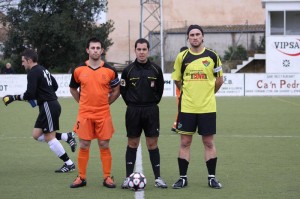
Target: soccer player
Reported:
point(173, 129)
point(198, 74)
point(95, 86)
point(142, 86)
point(41, 87)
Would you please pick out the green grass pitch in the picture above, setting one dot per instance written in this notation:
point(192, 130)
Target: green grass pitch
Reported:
point(258, 145)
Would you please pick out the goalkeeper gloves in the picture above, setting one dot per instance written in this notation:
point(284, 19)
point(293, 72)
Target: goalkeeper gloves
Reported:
point(10, 98)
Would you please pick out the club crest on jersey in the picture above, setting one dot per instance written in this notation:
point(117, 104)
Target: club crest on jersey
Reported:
point(205, 63)
point(122, 82)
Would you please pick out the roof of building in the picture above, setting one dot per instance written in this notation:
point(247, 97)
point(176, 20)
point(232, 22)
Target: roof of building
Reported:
point(264, 2)
point(223, 29)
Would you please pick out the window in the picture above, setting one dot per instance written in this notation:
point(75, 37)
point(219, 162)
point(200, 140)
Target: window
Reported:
point(285, 22)
point(293, 23)
point(277, 23)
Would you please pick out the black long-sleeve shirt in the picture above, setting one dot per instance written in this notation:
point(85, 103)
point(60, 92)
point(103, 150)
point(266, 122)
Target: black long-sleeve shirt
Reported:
point(142, 84)
point(41, 85)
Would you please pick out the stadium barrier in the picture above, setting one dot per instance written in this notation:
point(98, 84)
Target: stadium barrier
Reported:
point(239, 84)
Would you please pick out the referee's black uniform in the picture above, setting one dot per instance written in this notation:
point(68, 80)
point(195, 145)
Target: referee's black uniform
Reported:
point(142, 86)
point(41, 86)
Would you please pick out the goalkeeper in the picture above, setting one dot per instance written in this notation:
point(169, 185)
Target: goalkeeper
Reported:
point(42, 86)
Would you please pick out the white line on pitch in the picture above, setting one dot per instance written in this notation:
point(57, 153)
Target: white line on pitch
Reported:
point(260, 136)
point(139, 168)
point(254, 136)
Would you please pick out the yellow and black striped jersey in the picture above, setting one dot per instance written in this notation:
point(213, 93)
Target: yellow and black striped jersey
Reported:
point(197, 72)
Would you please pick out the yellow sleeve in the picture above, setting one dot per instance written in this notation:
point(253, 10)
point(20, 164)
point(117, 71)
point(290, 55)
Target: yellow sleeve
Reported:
point(176, 74)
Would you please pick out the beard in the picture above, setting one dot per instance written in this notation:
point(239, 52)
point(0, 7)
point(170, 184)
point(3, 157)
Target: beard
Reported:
point(95, 57)
point(196, 45)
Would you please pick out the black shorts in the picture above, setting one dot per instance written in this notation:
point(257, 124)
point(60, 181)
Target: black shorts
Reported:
point(187, 123)
point(142, 118)
point(48, 118)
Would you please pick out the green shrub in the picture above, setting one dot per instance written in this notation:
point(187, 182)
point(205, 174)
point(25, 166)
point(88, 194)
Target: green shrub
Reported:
point(235, 53)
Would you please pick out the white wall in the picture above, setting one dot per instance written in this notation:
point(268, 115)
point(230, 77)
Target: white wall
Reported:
point(176, 13)
point(219, 42)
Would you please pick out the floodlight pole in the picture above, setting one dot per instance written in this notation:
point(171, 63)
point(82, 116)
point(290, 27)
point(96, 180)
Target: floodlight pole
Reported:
point(158, 17)
point(161, 37)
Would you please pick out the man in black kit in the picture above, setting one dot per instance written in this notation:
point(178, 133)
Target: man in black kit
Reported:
point(41, 89)
point(142, 86)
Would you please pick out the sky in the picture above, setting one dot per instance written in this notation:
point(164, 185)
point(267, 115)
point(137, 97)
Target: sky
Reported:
point(102, 18)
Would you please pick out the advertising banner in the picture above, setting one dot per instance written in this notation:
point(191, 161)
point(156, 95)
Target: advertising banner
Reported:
point(169, 89)
point(12, 84)
point(63, 81)
point(233, 85)
point(272, 84)
point(17, 84)
point(248, 84)
point(283, 54)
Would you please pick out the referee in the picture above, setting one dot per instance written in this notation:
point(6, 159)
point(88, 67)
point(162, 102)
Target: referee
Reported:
point(142, 86)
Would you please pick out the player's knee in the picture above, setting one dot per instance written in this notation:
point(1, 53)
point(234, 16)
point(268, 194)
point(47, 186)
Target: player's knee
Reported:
point(209, 144)
point(35, 137)
point(103, 144)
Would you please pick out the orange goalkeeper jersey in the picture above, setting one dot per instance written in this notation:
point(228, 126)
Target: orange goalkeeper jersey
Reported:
point(94, 85)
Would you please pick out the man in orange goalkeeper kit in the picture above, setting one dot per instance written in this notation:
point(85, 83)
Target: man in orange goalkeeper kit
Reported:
point(95, 86)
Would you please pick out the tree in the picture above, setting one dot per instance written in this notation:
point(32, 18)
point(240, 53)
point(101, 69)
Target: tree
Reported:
point(235, 53)
point(57, 29)
point(5, 4)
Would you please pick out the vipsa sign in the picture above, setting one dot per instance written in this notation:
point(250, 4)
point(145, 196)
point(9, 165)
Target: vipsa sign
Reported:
point(283, 54)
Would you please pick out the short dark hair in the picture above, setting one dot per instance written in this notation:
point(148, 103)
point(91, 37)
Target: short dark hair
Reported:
point(142, 41)
point(194, 26)
point(30, 54)
point(93, 40)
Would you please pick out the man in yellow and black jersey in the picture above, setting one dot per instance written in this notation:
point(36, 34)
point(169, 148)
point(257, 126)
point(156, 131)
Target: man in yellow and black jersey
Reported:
point(198, 74)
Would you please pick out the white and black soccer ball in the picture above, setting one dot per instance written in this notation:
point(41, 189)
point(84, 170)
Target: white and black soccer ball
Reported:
point(137, 181)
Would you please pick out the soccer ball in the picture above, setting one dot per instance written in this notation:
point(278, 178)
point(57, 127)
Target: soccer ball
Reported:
point(137, 181)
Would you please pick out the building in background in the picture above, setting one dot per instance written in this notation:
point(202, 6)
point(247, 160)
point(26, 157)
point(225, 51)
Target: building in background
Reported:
point(178, 15)
point(218, 38)
point(282, 36)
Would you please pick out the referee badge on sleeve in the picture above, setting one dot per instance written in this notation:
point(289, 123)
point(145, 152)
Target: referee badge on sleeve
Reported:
point(122, 82)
